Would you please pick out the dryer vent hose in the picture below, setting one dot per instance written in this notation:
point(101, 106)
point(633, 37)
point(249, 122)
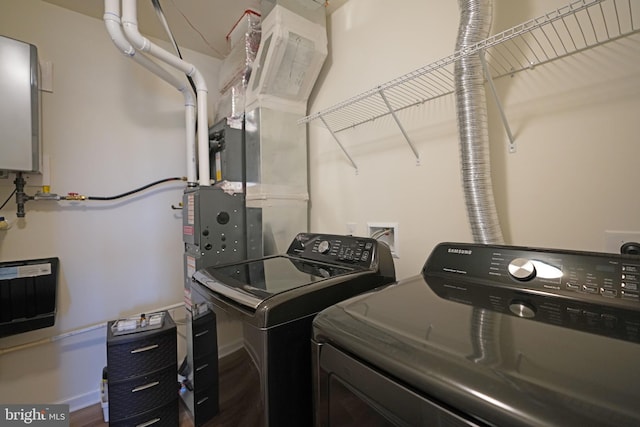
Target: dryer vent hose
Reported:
point(471, 107)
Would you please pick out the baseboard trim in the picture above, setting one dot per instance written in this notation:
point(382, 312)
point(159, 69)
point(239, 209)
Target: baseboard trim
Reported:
point(82, 401)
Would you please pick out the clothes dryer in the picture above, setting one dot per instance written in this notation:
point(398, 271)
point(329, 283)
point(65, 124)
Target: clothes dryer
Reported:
point(486, 336)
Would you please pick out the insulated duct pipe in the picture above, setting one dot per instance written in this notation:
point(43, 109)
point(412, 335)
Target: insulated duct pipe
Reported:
point(113, 24)
point(130, 25)
point(471, 105)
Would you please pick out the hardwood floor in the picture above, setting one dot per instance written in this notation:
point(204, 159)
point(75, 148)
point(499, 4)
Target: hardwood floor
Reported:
point(89, 416)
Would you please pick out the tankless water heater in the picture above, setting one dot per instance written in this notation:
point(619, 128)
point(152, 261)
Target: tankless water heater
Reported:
point(19, 106)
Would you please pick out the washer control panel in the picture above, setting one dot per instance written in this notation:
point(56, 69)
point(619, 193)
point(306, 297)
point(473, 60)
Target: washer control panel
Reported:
point(330, 248)
point(606, 279)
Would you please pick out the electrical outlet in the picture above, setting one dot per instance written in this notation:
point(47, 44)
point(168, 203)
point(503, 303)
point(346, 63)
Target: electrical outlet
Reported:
point(386, 232)
point(351, 228)
point(615, 239)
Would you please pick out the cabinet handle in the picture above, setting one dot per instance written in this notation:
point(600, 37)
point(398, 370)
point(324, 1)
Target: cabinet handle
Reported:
point(199, 334)
point(201, 401)
point(148, 423)
point(141, 349)
point(146, 386)
point(200, 368)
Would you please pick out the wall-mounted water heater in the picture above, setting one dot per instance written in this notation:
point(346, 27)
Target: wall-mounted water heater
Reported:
point(19, 106)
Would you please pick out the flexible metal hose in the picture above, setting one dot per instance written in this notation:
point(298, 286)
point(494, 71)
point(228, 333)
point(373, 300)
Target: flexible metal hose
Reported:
point(471, 108)
point(471, 105)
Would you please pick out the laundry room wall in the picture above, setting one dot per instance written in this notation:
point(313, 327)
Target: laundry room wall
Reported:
point(573, 176)
point(108, 127)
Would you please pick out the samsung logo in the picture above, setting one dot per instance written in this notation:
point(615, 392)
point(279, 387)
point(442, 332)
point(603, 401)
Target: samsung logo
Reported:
point(459, 251)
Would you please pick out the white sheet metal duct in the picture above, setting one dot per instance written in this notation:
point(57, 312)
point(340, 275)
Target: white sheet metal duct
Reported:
point(471, 105)
point(141, 43)
point(113, 24)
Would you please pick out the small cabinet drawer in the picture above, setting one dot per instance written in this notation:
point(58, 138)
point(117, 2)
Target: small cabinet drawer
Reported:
point(147, 355)
point(206, 403)
point(138, 353)
point(141, 394)
point(166, 416)
point(205, 339)
point(205, 371)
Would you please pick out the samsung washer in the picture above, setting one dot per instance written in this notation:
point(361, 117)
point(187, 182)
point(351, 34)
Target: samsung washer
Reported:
point(486, 336)
point(262, 310)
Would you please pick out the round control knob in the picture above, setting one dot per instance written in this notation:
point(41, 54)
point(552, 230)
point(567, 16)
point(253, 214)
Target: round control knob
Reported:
point(522, 309)
point(323, 247)
point(223, 218)
point(522, 269)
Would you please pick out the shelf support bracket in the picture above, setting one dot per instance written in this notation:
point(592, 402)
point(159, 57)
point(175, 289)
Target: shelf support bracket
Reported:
point(339, 143)
point(395, 117)
point(512, 144)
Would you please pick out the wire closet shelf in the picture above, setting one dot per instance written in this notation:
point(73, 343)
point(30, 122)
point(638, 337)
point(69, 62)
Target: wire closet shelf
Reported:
point(576, 27)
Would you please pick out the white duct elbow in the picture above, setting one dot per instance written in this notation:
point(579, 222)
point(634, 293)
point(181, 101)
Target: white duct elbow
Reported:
point(130, 27)
point(111, 19)
point(114, 26)
point(139, 42)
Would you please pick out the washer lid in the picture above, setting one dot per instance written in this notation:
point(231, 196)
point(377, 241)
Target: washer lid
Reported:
point(250, 283)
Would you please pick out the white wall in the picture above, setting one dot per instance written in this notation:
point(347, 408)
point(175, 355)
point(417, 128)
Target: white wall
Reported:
point(108, 127)
point(575, 171)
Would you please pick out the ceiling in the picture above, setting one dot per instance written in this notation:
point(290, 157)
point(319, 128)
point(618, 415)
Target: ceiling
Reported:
point(200, 25)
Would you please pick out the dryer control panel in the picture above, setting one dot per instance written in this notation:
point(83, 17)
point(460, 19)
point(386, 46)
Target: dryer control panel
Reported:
point(331, 248)
point(599, 278)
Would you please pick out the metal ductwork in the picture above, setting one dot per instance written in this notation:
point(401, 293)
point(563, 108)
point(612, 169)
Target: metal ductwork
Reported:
point(471, 105)
point(471, 109)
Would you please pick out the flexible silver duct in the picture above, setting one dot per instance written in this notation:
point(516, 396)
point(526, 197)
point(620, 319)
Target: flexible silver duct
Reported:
point(471, 105)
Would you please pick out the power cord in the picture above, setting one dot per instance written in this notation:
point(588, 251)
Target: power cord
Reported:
point(8, 198)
